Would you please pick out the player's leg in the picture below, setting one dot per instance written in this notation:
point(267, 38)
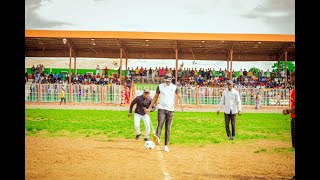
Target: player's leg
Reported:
point(293, 133)
point(233, 125)
point(146, 120)
point(137, 125)
point(161, 118)
point(227, 122)
point(169, 119)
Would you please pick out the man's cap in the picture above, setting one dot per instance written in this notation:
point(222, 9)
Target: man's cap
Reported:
point(229, 82)
point(146, 90)
point(167, 77)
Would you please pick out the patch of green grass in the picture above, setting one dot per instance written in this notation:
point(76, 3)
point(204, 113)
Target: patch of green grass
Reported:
point(187, 127)
point(261, 150)
point(281, 149)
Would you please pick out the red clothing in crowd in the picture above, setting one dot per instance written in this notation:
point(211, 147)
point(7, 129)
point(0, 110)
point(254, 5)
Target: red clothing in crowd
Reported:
point(127, 95)
point(293, 102)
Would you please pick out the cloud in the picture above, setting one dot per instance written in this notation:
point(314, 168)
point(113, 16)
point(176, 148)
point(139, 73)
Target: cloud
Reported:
point(34, 21)
point(199, 7)
point(280, 15)
point(273, 11)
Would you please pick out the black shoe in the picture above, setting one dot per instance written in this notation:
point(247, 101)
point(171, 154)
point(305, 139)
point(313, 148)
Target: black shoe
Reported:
point(137, 136)
point(233, 138)
point(146, 139)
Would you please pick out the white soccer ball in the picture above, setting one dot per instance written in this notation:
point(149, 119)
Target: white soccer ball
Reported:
point(149, 145)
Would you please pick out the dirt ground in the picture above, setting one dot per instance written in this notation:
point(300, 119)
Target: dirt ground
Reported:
point(75, 158)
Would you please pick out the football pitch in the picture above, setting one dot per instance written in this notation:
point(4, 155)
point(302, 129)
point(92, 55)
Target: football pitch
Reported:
point(100, 144)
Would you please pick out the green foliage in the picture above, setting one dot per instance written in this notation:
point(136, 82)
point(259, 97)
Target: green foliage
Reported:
point(254, 69)
point(290, 66)
point(79, 71)
point(187, 128)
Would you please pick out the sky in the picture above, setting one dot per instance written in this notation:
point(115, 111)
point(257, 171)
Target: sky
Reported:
point(198, 16)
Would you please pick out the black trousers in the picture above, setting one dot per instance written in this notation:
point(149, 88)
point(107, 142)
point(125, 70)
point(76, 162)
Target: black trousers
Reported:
point(227, 119)
point(167, 117)
point(293, 132)
point(63, 99)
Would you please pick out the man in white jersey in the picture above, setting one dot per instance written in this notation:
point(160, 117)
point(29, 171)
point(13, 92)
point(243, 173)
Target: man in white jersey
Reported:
point(166, 94)
point(232, 104)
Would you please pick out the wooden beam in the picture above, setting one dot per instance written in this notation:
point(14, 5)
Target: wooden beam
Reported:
point(231, 48)
point(159, 35)
point(194, 57)
point(175, 46)
point(283, 49)
point(121, 46)
point(93, 50)
point(72, 47)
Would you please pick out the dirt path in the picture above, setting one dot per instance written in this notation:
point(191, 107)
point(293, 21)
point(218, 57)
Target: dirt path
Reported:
point(69, 158)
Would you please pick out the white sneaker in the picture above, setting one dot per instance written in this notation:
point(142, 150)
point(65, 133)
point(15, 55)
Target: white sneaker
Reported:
point(156, 140)
point(166, 149)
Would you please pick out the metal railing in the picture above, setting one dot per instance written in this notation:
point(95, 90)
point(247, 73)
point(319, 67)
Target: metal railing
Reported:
point(80, 93)
point(115, 94)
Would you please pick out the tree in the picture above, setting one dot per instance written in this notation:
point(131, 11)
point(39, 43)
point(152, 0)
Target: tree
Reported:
point(255, 69)
point(290, 66)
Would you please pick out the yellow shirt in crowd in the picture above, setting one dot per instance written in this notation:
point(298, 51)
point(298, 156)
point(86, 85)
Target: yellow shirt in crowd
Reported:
point(62, 94)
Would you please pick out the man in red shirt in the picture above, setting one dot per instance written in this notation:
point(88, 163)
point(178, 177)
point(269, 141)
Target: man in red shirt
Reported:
point(291, 110)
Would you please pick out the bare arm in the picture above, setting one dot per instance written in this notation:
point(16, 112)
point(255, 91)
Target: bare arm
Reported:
point(238, 102)
point(132, 104)
point(180, 100)
point(222, 102)
point(292, 110)
point(289, 110)
point(154, 100)
point(152, 108)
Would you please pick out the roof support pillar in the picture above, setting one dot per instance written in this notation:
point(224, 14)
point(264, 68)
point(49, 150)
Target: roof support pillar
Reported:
point(70, 74)
point(231, 58)
point(228, 64)
point(279, 68)
point(75, 67)
point(120, 66)
point(285, 67)
point(176, 71)
point(127, 65)
point(70, 55)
